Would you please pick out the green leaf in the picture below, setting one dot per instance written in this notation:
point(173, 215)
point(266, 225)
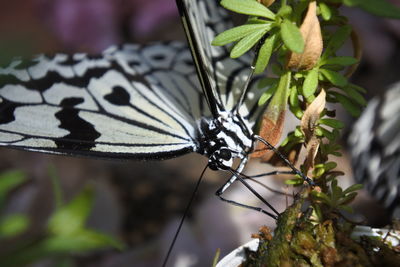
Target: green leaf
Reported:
point(294, 103)
point(353, 188)
point(267, 94)
point(332, 123)
point(238, 33)
point(322, 196)
point(348, 198)
point(357, 88)
point(336, 41)
point(294, 181)
point(324, 132)
point(72, 216)
point(265, 54)
point(285, 11)
point(298, 133)
point(310, 83)
point(342, 61)
point(248, 7)
point(355, 95)
point(330, 165)
point(292, 37)
point(247, 43)
point(267, 82)
point(348, 105)
point(336, 190)
point(83, 240)
point(334, 77)
point(325, 10)
point(318, 172)
point(377, 7)
point(13, 225)
point(277, 105)
point(346, 208)
point(255, 20)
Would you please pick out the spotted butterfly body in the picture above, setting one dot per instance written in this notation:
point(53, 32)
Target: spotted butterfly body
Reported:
point(133, 101)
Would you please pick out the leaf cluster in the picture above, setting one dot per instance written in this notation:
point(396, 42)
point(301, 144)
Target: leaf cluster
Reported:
point(277, 32)
point(65, 232)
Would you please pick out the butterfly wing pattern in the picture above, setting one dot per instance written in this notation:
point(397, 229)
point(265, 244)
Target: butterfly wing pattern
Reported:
point(132, 101)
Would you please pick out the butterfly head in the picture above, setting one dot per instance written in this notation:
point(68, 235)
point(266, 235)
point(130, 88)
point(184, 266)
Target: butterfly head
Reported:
point(224, 139)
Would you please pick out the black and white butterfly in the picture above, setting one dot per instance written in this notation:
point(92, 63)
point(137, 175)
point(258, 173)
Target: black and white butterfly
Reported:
point(133, 101)
point(141, 102)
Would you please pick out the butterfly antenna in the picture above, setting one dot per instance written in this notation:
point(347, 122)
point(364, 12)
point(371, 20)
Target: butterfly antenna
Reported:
point(171, 246)
point(251, 74)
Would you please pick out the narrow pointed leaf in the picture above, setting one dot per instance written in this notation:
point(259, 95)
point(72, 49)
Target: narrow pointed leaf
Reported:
point(265, 54)
point(334, 77)
point(352, 188)
point(343, 61)
point(237, 33)
point(310, 83)
point(355, 95)
point(348, 105)
point(247, 43)
point(248, 7)
point(336, 41)
point(292, 37)
point(267, 94)
point(332, 123)
point(325, 10)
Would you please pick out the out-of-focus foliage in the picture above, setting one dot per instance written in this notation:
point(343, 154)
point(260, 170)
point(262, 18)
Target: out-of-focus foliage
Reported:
point(64, 235)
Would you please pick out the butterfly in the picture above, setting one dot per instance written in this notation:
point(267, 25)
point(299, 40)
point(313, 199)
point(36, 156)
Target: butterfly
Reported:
point(375, 148)
point(154, 101)
point(133, 101)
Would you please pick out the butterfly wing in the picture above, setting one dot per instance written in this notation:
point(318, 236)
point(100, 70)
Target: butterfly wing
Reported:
point(221, 77)
point(132, 101)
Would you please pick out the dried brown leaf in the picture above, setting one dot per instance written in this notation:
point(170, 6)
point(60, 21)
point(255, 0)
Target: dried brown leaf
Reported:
point(266, 3)
point(312, 114)
point(311, 31)
point(308, 124)
point(270, 131)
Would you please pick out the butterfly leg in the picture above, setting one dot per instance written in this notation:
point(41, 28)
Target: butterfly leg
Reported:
point(259, 209)
point(295, 170)
point(236, 175)
point(267, 174)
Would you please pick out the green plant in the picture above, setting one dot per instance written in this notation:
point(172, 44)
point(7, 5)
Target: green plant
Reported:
point(64, 235)
point(298, 43)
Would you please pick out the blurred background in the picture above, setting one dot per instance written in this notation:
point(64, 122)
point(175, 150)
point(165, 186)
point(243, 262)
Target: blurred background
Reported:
point(140, 203)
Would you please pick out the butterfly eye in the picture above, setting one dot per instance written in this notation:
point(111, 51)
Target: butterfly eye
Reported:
point(225, 154)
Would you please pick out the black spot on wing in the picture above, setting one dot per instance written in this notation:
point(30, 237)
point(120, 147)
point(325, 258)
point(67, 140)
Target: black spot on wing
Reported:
point(135, 63)
point(188, 62)
point(119, 96)
point(158, 57)
point(7, 109)
point(8, 79)
point(72, 101)
point(82, 134)
point(70, 61)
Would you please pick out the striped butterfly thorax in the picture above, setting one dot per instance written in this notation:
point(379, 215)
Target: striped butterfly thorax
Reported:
point(135, 101)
